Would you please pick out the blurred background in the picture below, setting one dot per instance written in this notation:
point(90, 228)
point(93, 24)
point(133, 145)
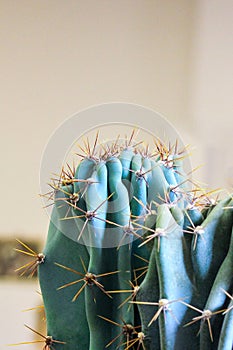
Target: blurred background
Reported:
point(59, 57)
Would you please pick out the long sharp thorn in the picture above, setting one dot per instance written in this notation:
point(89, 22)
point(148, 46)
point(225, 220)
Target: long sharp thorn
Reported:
point(95, 143)
point(210, 330)
point(104, 201)
point(72, 217)
point(79, 292)
point(28, 342)
point(191, 306)
point(154, 318)
point(24, 252)
point(26, 246)
point(108, 320)
point(33, 330)
point(113, 340)
point(69, 284)
point(83, 265)
point(108, 273)
point(69, 269)
point(82, 230)
point(26, 267)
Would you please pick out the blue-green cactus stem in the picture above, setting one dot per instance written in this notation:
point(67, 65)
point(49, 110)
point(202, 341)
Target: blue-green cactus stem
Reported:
point(82, 181)
point(120, 215)
point(226, 336)
point(141, 168)
point(217, 299)
point(125, 158)
point(83, 172)
point(149, 292)
point(169, 175)
point(177, 214)
point(174, 282)
point(59, 309)
point(211, 248)
point(139, 186)
point(96, 202)
point(126, 227)
point(96, 198)
point(158, 185)
point(192, 219)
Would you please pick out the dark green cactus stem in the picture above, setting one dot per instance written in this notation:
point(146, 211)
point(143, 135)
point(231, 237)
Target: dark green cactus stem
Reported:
point(147, 294)
point(134, 260)
point(226, 336)
point(217, 298)
point(211, 247)
point(59, 302)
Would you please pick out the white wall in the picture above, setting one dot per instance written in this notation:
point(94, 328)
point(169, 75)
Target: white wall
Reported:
point(211, 102)
point(60, 56)
point(15, 298)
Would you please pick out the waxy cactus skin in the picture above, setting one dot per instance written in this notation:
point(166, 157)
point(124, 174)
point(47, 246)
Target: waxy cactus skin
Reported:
point(134, 259)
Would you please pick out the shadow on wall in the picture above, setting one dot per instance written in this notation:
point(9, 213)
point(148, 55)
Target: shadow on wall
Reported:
point(21, 302)
point(13, 262)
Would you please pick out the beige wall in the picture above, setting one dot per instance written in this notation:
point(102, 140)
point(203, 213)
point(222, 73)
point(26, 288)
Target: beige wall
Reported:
point(15, 298)
point(211, 103)
point(61, 56)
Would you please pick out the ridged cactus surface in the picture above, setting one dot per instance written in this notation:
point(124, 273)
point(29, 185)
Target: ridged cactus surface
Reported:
point(137, 255)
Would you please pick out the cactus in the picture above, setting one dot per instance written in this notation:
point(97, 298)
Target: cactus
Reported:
point(136, 258)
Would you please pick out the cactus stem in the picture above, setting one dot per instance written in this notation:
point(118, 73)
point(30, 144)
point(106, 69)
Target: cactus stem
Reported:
point(144, 269)
point(157, 233)
point(128, 230)
point(140, 175)
point(163, 305)
point(88, 278)
point(175, 189)
point(146, 207)
point(204, 317)
point(72, 200)
point(157, 201)
point(196, 231)
point(133, 292)
point(167, 200)
point(140, 340)
point(127, 330)
point(88, 215)
point(231, 307)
